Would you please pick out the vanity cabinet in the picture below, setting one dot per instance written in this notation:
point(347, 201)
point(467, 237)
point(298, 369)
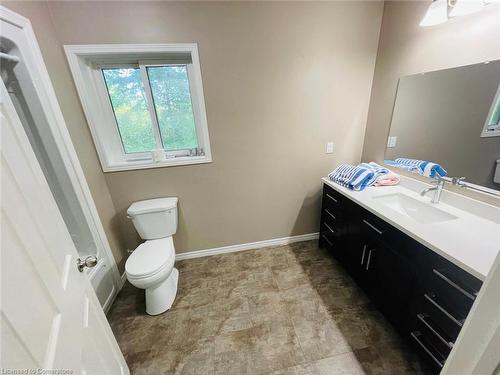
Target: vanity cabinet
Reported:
point(426, 297)
point(334, 223)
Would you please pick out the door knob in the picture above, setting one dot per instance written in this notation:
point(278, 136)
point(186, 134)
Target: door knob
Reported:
point(89, 262)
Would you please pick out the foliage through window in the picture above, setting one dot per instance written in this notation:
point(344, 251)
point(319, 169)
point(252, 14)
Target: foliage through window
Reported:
point(170, 113)
point(130, 108)
point(173, 106)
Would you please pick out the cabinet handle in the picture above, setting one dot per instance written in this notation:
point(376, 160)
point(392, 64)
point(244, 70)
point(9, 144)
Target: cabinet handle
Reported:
point(363, 255)
point(372, 226)
point(469, 295)
point(415, 336)
point(332, 198)
point(328, 227)
point(329, 213)
point(443, 310)
point(327, 240)
point(369, 258)
point(422, 317)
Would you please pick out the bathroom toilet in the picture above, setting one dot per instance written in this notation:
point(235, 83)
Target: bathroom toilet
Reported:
point(151, 265)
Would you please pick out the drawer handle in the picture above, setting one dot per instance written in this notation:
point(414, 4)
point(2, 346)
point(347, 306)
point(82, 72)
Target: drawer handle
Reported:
point(328, 227)
point(369, 258)
point(443, 310)
point(415, 336)
point(469, 295)
point(363, 255)
point(372, 226)
point(422, 317)
point(332, 215)
point(332, 198)
point(327, 240)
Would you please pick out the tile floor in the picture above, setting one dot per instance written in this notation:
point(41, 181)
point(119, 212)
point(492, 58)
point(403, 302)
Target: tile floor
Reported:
point(281, 310)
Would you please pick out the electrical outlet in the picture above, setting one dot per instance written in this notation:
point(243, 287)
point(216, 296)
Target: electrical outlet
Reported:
point(329, 148)
point(391, 141)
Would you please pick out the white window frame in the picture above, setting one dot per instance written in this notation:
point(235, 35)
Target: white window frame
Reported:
point(86, 62)
point(491, 133)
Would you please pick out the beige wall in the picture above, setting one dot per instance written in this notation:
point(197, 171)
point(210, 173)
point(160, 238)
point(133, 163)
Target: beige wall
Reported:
point(53, 55)
point(405, 48)
point(280, 80)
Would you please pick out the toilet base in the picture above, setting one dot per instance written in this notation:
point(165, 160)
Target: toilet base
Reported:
point(161, 297)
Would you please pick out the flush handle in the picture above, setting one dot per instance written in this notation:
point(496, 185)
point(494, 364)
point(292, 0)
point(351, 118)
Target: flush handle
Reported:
point(88, 262)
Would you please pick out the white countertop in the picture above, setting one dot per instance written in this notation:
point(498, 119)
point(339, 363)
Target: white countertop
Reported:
point(472, 241)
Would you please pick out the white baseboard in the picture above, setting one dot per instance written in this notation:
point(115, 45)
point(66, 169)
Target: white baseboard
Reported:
point(109, 300)
point(246, 246)
point(123, 280)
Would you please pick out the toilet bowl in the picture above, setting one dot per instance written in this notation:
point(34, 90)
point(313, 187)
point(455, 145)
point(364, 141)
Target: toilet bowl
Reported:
point(151, 264)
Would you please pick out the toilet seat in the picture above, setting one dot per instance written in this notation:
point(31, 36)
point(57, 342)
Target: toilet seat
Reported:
point(150, 258)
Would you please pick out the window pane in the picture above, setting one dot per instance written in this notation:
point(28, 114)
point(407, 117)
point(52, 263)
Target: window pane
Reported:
point(130, 108)
point(172, 100)
point(494, 119)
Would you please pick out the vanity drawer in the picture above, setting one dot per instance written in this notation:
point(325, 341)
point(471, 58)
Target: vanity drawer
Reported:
point(449, 278)
point(435, 335)
point(445, 319)
point(450, 287)
point(332, 201)
point(327, 240)
point(427, 350)
point(332, 218)
point(330, 237)
point(330, 230)
point(373, 227)
point(453, 293)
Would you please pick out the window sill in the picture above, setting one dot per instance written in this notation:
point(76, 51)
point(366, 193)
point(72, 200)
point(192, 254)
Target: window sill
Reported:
point(148, 164)
point(494, 133)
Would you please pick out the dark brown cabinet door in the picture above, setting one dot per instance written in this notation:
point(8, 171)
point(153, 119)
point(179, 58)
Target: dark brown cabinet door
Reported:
point(392, 281)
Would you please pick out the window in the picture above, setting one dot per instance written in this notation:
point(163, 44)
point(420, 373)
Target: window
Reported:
point(492, 125)
point(130, 108)
point(144, 103)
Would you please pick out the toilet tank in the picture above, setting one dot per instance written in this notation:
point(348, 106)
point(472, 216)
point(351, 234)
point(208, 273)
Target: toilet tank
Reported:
point(154, 218)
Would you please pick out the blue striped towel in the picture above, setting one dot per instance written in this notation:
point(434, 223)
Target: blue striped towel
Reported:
point(376, 168)
point(357, 177)
point(422, 167)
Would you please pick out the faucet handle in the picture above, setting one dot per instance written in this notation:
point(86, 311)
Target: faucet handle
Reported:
point(458, 181)
point(437, 181)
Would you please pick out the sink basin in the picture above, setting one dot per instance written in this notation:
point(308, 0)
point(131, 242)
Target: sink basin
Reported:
point(422, 212)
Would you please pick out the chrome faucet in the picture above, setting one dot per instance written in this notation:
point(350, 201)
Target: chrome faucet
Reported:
point(438, 189)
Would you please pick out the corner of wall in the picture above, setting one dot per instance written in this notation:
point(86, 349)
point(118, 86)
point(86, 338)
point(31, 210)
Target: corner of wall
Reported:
point(364, 155)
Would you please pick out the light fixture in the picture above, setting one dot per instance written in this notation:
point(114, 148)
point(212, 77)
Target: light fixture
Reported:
point(464, 7)
point(436, 13)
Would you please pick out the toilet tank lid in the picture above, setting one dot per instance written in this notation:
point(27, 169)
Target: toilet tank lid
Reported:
point(152, 205)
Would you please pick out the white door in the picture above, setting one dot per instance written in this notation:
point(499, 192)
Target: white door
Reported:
point(50, 315)
point(32, 90)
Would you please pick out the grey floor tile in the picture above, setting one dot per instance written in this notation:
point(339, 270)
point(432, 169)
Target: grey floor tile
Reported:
point(342, 364)
point(305, 369)
point(274, 311)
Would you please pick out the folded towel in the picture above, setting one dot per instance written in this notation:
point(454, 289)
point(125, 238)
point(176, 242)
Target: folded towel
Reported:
point(376, 168)
point(422, 167)
point(384, 177)
point(357, 177)
point(388, 179)
point(351, 177)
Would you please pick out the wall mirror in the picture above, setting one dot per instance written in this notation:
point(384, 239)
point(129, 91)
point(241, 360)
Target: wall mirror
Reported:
point(451, 117)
